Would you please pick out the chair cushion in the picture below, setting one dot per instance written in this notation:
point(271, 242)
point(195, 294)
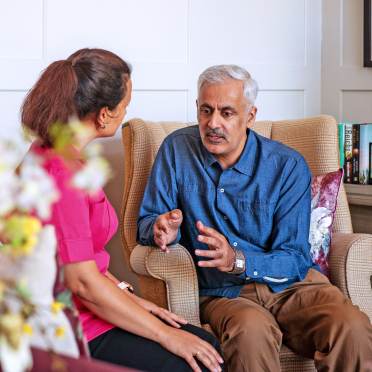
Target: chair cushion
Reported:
point(324, 191)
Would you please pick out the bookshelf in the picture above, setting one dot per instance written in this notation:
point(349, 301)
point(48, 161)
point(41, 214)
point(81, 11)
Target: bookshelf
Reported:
point(359, 194)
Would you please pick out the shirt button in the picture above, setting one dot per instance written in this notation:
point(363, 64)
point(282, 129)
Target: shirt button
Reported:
point(248, 278)
point(255, 273)
point(235, 244)
point(222, 190)
point(225, 217)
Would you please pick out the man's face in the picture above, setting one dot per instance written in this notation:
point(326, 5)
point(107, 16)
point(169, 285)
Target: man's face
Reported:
point(224, 116)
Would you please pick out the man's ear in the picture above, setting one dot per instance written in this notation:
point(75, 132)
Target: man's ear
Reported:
point(251, 117)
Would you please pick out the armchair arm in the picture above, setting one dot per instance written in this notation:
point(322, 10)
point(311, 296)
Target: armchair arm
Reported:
point(177, 270)
point(350, 262)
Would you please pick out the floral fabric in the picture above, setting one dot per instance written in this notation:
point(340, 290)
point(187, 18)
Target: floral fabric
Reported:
point(324, 191)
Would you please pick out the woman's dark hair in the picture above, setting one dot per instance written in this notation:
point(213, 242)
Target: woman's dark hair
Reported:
point(80, 85)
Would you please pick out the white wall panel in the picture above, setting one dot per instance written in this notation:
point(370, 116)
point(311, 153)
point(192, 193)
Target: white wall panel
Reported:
point(160, 76)
point(346, 84)
point(10, 103)
point(141, 30)
point(277, 105)
point(356, 106)
point(21, 27)
point(255, 31)
point(19, 74)
point(157, 105)
point(351, 33)
point(21, 41)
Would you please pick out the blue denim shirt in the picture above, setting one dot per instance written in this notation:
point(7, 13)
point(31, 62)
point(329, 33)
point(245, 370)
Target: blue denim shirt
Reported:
point(261, 205)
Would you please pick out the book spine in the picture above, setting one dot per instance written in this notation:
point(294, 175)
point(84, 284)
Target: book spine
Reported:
point(369, 147)
point(364, 154)
point(341, 143)
point(348, 171)
point(370, 163)
point(355, 156)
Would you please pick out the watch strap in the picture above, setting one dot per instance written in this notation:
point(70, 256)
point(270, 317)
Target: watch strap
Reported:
point(239, 263)
point(124, 285)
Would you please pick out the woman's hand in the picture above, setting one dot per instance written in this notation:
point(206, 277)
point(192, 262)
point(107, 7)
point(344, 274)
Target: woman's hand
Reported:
point(190, 347)
point(165, 315)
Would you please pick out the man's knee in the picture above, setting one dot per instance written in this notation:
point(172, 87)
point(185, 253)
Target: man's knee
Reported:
point(348, 322)
point(253, 330)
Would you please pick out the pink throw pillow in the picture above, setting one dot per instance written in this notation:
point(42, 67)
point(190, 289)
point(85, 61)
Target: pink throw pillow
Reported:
point(324, 191)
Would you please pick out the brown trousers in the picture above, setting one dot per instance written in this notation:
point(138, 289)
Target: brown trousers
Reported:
point(311, 317)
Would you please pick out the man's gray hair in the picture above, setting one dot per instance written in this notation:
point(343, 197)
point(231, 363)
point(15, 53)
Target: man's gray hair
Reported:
point(220, 73)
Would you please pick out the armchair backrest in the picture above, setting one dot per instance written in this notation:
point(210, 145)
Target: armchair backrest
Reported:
point(315, 138)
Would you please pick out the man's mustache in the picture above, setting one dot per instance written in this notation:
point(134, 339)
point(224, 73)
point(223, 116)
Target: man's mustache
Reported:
point(215, 132)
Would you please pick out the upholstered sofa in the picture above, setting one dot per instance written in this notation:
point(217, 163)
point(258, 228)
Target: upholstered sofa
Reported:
point(170, 279)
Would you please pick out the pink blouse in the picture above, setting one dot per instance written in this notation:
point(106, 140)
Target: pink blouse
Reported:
point(84, 224)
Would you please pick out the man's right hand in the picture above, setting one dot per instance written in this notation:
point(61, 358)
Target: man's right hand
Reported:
point(166, 228)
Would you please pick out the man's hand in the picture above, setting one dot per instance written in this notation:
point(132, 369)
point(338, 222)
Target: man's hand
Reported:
point(166, 228)
point(221, 255)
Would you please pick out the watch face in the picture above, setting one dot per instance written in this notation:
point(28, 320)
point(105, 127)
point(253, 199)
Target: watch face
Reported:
point(239, 263)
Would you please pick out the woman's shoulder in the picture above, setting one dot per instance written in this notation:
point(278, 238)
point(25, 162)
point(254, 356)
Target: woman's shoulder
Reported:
point(54, 163)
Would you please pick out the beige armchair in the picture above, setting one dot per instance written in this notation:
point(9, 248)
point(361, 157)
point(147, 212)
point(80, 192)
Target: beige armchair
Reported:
point(170, 279)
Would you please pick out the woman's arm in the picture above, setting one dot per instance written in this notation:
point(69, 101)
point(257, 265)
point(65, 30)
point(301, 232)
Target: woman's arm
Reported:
point(164, 314)
point(112, 277)
point(102, 296)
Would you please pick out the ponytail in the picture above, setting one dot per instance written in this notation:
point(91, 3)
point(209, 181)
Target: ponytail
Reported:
point(81, 85)
point(51, 100)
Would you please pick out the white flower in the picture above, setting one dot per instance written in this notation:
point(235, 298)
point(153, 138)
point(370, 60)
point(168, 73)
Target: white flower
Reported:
point(15, 360)
point(81, 131)
point(8, 190)
point(37, 190)
point(93, 175)
point(93, 150)
point(10, 156)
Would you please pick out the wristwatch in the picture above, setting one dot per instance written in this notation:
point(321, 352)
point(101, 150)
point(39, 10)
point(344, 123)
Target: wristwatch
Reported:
point(124, 285)
point(239, 263)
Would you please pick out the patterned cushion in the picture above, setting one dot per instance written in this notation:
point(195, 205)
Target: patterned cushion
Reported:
point(324, 191)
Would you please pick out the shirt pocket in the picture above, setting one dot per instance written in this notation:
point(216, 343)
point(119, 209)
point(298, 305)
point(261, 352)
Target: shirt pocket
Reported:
point(255, 220)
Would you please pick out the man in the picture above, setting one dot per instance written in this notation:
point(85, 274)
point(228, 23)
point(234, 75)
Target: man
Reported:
point(240, 203)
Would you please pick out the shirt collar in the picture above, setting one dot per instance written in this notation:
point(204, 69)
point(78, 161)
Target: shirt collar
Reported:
point(246, 161)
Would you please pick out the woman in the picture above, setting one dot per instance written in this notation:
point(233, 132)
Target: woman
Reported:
point(95, 86)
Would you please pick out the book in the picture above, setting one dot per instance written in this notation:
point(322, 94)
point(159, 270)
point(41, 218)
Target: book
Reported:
point(364, 139)
point(370, 163)
point(341, 143)
point(355, 153)
point(348, 149)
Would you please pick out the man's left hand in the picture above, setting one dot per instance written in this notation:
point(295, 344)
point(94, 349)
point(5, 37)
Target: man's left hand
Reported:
point(221, 255)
